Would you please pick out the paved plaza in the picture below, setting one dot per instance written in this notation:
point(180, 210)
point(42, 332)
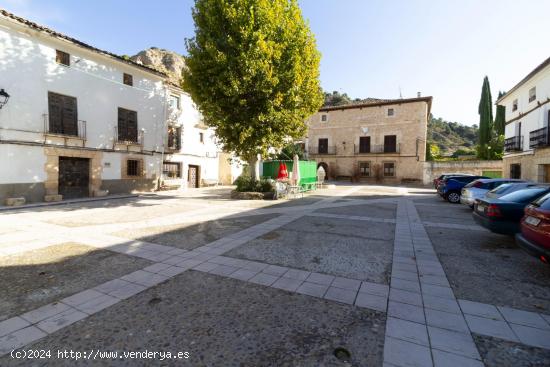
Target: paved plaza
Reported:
point(350, 276)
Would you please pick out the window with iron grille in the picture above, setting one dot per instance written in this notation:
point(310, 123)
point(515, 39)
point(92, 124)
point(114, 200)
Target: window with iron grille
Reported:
point(515, 170)
point(132, 168)
point(171, 170)
point(128, 79)
point(62, 58)
point(532, 94)
point(63, 114)
point(364, 169)
point(389, 169)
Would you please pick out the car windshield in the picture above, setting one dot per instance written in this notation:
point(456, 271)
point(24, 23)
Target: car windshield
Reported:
point(524, 195)
point(502, 188)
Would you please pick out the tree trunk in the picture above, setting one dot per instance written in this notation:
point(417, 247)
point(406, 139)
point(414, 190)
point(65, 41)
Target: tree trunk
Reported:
point(252, 166)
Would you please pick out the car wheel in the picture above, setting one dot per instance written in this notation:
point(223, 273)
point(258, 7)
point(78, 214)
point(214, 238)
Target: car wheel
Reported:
point(453, 197)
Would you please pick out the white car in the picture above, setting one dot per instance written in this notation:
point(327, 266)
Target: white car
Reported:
point(478, 188)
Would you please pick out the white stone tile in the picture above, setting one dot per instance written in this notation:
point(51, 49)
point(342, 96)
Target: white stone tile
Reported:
point(480, 309)
point(243, 274)
point(403, 353)
point(346, 283)
point(490, 327)
point(318, 278)
point(446, 320)
point(441, 304)
point(20, 338)
point(127, 291)
point(524, 318)
point(263, 279)
point(341, 295)
point(412, 298)
point(297, 274)
point(61, 320)
point(82, 297)
point(288, 284)
point(407, 331)
point(377, 289)
point(275, 270)
point(406, 312)
point(532, 336)
point(97, 304)
point(445, 359)
point(10, 325)
point(372, 301)
point(312, 289)
point(453, 342)
point(44, 312)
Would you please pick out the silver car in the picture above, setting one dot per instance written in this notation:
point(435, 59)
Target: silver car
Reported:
point(478, 188)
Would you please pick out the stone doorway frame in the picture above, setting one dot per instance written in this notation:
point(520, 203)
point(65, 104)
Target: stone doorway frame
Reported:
point(52, 170)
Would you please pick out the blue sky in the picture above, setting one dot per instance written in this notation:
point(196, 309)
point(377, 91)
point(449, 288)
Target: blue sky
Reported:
point(369, 48)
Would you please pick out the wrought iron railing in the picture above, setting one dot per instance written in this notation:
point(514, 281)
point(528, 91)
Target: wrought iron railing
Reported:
point(77, 129)
point(322, 150)
point(131, 139)
point(377, 149)
point(513, 144)
point(539, 138)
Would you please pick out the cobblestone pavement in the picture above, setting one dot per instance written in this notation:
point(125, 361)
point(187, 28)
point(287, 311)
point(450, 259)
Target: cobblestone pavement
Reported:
point(350, 276)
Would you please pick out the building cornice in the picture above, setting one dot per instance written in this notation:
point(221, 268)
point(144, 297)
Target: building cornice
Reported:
point(428, 100)
point(535, 71)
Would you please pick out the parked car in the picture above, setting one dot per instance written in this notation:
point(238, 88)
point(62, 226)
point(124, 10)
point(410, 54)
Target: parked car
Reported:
point(450, 188)
point(478, 188)
point(503, 215)
point(535, 229)
point(508, 188)
point(439, 179)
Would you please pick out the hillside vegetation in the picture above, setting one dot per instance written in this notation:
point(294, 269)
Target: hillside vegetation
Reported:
point(452, 138)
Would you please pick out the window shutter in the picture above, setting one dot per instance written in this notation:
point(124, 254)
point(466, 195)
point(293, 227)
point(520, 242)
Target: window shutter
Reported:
point(132, 126)
point(122, 126)
point(55, 109)
point(70, 120)
point(390, 143)
point(364, 144)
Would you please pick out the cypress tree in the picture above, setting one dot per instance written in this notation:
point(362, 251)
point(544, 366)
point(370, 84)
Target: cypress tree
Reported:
point(485, 111)
point(500, 117)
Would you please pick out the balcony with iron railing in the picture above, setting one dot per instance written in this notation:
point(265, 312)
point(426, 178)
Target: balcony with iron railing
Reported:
point(65, 129)
point(539, 138)
point(129, 138)
point(376, 149)
point(513, 144)
point(322, 150)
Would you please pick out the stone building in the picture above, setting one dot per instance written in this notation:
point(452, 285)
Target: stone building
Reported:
point(527, 143)
point(373, 141)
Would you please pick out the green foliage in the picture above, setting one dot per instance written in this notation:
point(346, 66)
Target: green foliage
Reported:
point(336, 99)
point(450, 136)
point(253, 71)
point(500, 117)
point(463, 152)
point(246, 183)
point(485, 110)
point(288, 152)
point(429, 156)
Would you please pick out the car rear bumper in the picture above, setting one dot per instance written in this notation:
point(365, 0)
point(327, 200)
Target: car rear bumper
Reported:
point(502, 227)
point(531, 247)
point(467, 200)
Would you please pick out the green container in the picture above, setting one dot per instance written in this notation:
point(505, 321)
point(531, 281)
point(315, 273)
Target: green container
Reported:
point(308, 171)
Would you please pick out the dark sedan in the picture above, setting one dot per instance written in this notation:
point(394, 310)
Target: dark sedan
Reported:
point(503, 215)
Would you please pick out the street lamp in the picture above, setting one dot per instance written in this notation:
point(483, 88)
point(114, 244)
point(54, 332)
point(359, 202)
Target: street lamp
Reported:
point(4, 97)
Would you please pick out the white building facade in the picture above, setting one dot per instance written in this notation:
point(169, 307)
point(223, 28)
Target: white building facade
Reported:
point(527, 143)
point(83, 122)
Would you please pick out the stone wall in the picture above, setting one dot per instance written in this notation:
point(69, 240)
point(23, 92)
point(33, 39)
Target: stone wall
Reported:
point(435, 169)
point(535, 165)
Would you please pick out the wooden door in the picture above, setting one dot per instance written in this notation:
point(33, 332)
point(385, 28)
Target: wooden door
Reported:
point(364, 144)
point(74, 174)
point(193, 176)
point(323, 146)
point(390, 144)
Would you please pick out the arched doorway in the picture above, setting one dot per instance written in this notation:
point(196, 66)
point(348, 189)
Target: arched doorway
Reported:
point(325, 167)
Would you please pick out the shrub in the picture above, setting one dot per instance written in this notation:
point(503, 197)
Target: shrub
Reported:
point(248, 184)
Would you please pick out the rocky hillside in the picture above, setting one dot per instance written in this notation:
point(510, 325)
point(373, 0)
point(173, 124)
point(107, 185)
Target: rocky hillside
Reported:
point(452, 136)
point(163, 60)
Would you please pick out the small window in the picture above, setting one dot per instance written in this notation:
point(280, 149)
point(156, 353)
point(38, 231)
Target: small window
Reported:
point(532, 94)
point(174, 102)
point(514, 105)
point(389, 169)
point(324, 118)
point(62, 58)
point(171, 169)
point(201, 137)
point(391, 111)
point(174, 138)
point(128, 79)
point(132, 168)
point(364, 169)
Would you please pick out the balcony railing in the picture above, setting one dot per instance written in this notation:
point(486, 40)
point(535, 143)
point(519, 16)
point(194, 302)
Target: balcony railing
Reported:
point(513, 144)
point(130, 140)
point(76, 129)
point(377, 149)
point(323, 150)
point(539, 138)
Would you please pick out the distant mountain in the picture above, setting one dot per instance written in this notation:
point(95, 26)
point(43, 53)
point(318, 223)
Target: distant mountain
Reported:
point(163, 60)
point(452, 136)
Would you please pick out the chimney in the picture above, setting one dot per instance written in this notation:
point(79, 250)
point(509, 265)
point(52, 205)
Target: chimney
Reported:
point(418, 94)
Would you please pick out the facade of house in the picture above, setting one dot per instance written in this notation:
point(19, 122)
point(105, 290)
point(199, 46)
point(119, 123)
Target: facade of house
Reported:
point(84, 122)
point(375, 141)
point(527, 143)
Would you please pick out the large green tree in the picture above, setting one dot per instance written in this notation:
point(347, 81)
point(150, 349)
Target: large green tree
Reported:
point(485, 111)
point(253, 71)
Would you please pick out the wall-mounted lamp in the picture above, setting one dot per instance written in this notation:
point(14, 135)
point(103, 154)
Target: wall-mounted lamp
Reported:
point(4, 97)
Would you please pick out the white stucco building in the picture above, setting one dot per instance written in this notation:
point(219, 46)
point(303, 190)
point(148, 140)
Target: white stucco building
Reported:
point(83, 122)
point(527, 143)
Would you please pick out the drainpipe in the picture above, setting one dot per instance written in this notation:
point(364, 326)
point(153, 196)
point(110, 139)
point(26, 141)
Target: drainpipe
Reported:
point(164, 131)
